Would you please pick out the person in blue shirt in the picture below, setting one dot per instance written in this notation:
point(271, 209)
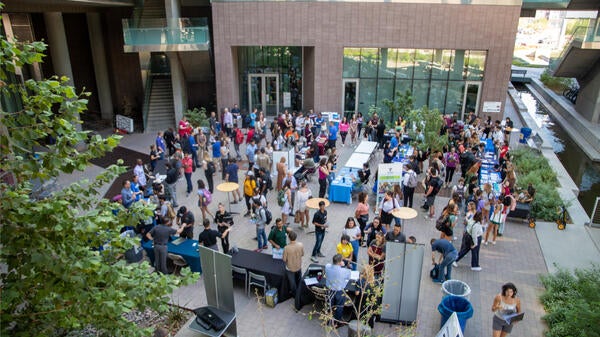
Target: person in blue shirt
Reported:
point(231, 175)
point(127, 197)
point(336, 278)
point(395, 141)
point(447, 255)
point(216, 152)
point(333, 130)
point(135, 189)
point(161, 147)
point(251, 153)
point(253, 118)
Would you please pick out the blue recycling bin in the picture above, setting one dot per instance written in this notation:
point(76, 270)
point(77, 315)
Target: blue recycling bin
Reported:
point(525, 134)
point(460, 305)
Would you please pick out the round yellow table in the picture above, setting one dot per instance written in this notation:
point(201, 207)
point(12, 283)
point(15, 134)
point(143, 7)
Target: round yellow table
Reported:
point(228, 187)
point(404, 213)
point(314, 203)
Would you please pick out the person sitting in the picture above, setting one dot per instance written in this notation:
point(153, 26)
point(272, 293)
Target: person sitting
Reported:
point(366, 173)
point(345, 249)
point(336, 278)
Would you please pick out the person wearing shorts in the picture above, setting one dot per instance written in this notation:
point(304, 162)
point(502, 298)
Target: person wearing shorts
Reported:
point(505, 303)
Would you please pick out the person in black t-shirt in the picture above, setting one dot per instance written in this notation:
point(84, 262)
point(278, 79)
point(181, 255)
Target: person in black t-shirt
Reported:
point(320, 222)
point(161, 235)
point(185, 219)
point(224, 220)
point(208, 237)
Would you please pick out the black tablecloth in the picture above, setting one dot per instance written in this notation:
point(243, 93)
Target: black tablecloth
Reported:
point(263, 264)
point(305, 296)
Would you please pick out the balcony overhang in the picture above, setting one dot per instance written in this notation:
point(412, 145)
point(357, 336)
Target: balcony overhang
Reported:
point(166, 47)
point(578, 59)
point(158, 35)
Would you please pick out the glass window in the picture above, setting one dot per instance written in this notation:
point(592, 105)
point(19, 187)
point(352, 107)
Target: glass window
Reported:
point(385, 55)
point(437, 95)
point(457, 66)
point(351, 62)
point(476, 65)
point(420, 92)
point(402, 86)
point(369, 62)
point(442, 59)
point(366, 93)
point(423, 63)
point(385, 90)
point(405, 62)
point(454, 98)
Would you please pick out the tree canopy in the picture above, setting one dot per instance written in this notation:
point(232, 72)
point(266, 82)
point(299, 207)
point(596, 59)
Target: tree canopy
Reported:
point(54, 279)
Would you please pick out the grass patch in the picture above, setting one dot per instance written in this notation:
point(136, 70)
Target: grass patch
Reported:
point(519, 62)
point(557, 84)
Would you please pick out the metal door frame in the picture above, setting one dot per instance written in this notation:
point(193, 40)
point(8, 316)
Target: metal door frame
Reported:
point(263, 103)
point(348, 80)
point(464, 101)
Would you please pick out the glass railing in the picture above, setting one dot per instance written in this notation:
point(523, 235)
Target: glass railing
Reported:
point(158, 32)
point(582, 35)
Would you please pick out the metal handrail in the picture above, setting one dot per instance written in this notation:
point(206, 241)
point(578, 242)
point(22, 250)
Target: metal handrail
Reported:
point(581, 34)
point(147, 94)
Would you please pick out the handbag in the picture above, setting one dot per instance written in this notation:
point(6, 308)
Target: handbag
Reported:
point(435, 271)
point(297, 217)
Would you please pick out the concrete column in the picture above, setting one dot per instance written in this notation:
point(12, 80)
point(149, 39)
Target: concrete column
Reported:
point(59, 49)
point(100, 66)
point(172, 12)
point(179, 85)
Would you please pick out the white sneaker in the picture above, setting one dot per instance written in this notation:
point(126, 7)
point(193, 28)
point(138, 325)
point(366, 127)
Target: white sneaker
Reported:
point(454, 264)
point(485, 243)
point(493, 242)
point(476, 268)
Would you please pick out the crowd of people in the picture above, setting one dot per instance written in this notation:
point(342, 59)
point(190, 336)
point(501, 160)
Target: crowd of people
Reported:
point(231, 149)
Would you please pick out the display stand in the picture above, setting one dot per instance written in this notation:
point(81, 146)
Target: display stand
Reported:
point(401, 294)
point(290, 158)
point(388, 175)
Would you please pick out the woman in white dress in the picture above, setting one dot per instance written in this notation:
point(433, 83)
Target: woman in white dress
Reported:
point(286, 208)
point(302, 196)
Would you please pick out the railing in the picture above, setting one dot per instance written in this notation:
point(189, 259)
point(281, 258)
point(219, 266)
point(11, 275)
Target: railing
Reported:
point(582, 34)
point(147, 94)
point(158, 32)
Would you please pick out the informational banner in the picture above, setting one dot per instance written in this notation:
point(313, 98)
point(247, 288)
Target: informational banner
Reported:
point(388, 175)
point(492, 106)
point(124, 123)
point(287, 100)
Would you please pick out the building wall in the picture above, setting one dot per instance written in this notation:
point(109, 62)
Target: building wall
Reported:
point(331, 26)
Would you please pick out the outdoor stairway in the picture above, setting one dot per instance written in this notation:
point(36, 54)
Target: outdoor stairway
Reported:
point(161, 110)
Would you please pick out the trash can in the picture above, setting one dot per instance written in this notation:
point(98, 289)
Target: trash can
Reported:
point(460, 305)
point(525, 134)
point(456, 288)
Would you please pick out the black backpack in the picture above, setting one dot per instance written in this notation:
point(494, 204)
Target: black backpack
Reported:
point(210, 168)
point(442, 222)
point(268, 216)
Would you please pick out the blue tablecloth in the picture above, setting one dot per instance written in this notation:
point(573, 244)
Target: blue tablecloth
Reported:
point(188, 249)
point(404, 152)
point(340, 189)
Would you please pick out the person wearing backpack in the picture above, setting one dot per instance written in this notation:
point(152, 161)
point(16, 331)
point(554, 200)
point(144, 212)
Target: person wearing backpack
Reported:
point(433, 187)
point(261, 219)
point(238, 139)
point(204, 199)
point(409, 183)
point(209, 171)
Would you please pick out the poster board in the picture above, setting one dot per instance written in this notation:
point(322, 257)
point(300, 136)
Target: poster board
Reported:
point(289, 160)
point(287, 99)
point(388, 176)
point(490, 106)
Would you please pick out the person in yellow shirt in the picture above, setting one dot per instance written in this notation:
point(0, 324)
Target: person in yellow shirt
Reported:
point(344, 248)
point(249, 186)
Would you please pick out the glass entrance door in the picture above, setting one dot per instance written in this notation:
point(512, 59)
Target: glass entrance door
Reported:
point(263, 93)
point(471, 98)
point(349, 100)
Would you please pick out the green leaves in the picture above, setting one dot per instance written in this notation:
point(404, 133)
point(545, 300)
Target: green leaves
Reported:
point(59, 253)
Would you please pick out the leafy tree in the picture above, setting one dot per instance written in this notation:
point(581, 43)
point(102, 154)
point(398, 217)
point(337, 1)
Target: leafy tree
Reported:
point(402, 106)
point(197, 117)
point(53, 279)
point(430, 123)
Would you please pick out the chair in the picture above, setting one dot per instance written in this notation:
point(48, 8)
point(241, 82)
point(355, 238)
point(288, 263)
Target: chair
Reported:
point(322, 297)
point(258, 281)
point(178, 261)
point(238, 271)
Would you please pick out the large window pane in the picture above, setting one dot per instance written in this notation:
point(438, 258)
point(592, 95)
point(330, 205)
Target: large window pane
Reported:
point(369, 62)
point(420, 92)
point(351, 62)
point(441, 64)
point(402, 86)
point(385, 90)
point(457, 67)
point(423, 60)
point(437, 95)
point(405, 63)
point(476, 65)
point(367, 90)
point(386, 55)
point(454, 97)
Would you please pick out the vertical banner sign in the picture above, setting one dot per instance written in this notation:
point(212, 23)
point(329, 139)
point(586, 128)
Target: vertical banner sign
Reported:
point(388, 176)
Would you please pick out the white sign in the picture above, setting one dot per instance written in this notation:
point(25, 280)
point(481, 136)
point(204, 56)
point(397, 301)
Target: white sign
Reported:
point(388, 176)
point(287, 100)
point(451, 328)
point(492, 106)
point(124, 123)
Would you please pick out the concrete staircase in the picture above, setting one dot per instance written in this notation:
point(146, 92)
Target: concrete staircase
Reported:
point(161, 110)
point(149, 12)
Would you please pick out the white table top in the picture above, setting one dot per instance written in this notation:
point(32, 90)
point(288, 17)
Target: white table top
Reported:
point(366, 147)
point(357, 160)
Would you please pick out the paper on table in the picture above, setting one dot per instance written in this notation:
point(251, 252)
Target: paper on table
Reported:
point(310, 281)
point(354, 275)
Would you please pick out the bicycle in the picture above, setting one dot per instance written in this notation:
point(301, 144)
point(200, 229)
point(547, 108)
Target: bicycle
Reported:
point(571, 93)
point(562, 217)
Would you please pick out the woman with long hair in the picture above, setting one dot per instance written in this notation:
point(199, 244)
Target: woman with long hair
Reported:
point(286, 208)
point(376, 253)
point(302, 195)
point(344, 248)
point(323, 174)
point(495, 219)
point(353, 130)
point(505, 303)
point(353, 233)
point(344, 126)
point(361, 213)
point(204, 198)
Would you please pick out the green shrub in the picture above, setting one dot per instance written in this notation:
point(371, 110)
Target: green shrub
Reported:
point(197, 117)
point(558, 84)
point(533, 168)
point(572, 303)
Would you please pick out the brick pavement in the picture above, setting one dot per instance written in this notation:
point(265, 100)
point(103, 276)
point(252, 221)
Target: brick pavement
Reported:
point(516, 258)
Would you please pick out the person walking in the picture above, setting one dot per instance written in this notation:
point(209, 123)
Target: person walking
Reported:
point(281, 169)
point(323, 174)
point(302, 197)
point(231, 175)
point(471, 242)
point(292, 257)
point(409, 183)
point(204, 199)
point(260, 220)
point(505, 303)
point(249, 186)
point(161, 235)
point(224, 221)
point(209, 171)
point(320, 222)
point(354, 236)
point(361, 213)
point(344, 126)
point(188, 168)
